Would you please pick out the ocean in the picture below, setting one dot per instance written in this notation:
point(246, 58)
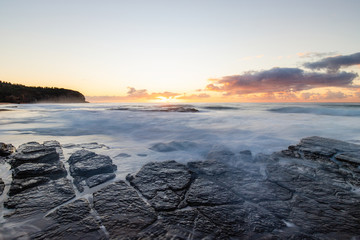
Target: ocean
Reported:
point(133, 134)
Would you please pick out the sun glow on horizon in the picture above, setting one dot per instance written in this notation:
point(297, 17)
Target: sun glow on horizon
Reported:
point(163, 99)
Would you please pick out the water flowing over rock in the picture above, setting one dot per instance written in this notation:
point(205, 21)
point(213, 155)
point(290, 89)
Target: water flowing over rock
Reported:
point(172, 146)
point(309, 191)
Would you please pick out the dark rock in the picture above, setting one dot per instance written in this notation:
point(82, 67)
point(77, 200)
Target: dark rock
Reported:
point(122, 211)
point(240, 220)
point(262, 191)
point(34, 152)
point(85, 164)
point(209, 168)
point(123, 155)
point(6, 149)
point(309, 191)
point(206, 192)
point(98, 179)
point(323, 149)
point(2, 186)
point(40, 199)
point(18, 185)
point(71, 221)
point(246, 155)
point(141, 154)
point(173, 146)
point(349, 157)
point(53, 171)
point(162, 183)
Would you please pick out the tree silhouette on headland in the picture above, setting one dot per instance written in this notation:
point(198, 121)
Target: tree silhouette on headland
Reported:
point(17, 93)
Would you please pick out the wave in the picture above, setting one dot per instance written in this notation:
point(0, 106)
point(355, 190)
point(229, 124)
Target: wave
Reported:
point(159, 108)
point(220, 108)
point(345, 111)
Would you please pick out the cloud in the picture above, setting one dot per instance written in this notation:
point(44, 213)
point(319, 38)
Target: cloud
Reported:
point(133, 95)
point(329, 95)
point(279, 80)
point(333, 64)
point(315, 54)
point(194, 96)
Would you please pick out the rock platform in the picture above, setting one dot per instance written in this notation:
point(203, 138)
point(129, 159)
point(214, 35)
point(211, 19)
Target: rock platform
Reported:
point(308, 191)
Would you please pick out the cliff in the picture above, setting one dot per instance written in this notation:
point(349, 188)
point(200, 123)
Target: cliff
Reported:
point(16, 93)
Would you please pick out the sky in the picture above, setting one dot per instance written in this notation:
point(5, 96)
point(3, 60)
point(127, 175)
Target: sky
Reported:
point(185, 51)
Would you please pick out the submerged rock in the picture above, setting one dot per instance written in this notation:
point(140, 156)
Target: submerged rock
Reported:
point(173, 146)
point(88, 166)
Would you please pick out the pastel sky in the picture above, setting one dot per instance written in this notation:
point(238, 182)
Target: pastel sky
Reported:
point(198, 50)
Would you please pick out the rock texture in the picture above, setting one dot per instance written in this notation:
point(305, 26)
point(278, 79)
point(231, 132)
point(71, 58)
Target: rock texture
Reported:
point(2, 186)
point(309, 191)
point(122, 210)
point(162, 183)
point(71, 221)
point(90, 168)
point(39, 182)
point(6, 149)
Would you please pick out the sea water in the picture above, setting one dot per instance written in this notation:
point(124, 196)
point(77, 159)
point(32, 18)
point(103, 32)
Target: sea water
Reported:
point(126, 132)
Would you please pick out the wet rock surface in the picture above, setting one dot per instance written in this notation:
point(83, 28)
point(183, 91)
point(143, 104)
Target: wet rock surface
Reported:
point(163, 183)
point(90, 168)
point(309, 191)
point(122, 210)
point(6, 149)
point(71, 221)
point(38, 180)
point(2, 186)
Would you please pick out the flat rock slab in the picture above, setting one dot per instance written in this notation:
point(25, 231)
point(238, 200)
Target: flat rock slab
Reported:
point(34, 164)
point(26, 170)
point(40, 199)
point(122, 210)
point(87, 167)
point(34, 152)
point(71, 221)
point(162, 183)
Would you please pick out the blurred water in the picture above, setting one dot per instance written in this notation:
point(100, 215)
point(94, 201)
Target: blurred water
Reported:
point(133, 128)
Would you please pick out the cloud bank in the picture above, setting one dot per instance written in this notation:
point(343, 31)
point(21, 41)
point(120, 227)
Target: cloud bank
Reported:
point(280, 80)
point(291, 84)
point(333, 64)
